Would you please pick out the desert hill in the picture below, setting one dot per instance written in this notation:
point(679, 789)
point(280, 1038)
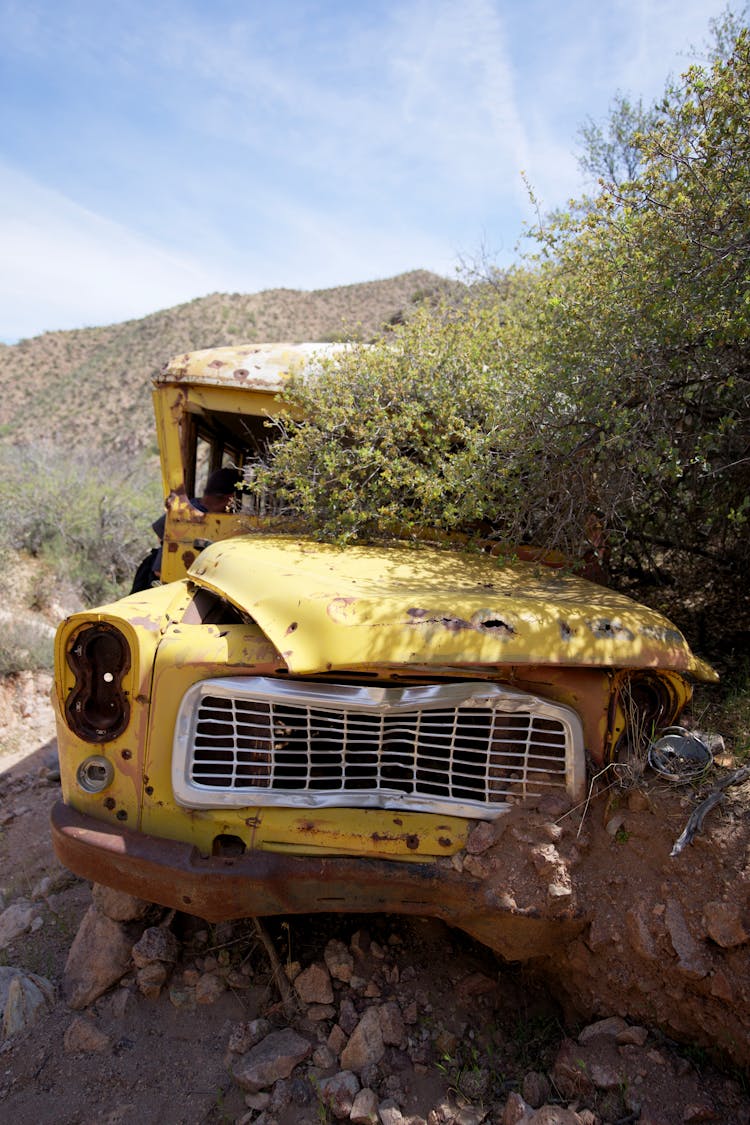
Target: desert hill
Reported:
point(90, 387)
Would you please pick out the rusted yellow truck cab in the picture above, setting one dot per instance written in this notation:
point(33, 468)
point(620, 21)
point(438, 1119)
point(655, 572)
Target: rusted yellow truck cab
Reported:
point(286, 726)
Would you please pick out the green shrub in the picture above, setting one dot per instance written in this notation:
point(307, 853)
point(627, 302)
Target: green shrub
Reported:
point(599, 399)
point(87, 514)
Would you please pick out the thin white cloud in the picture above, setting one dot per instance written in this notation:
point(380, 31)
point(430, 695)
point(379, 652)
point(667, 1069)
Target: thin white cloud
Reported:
point(661, 37)
point(67, 267)
point(64, 266)
point(458, 97)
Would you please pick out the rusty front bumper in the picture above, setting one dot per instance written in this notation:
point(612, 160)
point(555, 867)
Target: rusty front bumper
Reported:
point(219, 888)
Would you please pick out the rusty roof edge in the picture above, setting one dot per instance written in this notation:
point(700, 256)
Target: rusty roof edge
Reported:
point(253, 366)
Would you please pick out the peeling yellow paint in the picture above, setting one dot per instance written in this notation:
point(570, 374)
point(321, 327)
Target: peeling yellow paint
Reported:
point(382, 607)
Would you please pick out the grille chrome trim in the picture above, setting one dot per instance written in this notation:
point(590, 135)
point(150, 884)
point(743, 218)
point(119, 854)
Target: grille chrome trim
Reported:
point(459, 749)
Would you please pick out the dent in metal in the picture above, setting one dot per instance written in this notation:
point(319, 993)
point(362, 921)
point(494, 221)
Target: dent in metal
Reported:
point(219, 888)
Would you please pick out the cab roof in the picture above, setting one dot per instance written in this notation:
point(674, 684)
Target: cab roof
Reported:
point(262, 367)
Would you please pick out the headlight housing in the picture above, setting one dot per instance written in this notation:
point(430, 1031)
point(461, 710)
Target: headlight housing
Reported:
point(98, 709)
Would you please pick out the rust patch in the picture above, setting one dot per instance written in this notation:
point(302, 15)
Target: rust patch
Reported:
point(411, 840)
point(445, 842)
point(264, 883)
point(292, 628)
point(172, 547)
point(614, 629)
point(495, 625)
point(188, 558)
point(452, 624)
point(241, 374)
point(339, 610)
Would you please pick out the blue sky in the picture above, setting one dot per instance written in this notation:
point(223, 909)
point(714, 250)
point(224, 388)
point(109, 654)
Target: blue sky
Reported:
point(153, 151)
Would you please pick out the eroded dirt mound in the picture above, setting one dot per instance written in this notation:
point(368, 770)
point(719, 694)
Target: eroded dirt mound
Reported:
point(668, 940)
point(628, 927)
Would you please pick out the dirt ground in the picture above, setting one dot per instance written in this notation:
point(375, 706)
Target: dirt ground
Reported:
point(663, 945)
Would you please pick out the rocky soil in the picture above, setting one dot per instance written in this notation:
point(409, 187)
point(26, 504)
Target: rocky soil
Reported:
point(116, 1011)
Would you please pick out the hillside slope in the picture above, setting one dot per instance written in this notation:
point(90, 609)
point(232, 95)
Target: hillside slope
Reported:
point(90, 387)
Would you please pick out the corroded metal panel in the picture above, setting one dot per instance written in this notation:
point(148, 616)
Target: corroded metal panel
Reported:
point(219, 888)
point(324, 608)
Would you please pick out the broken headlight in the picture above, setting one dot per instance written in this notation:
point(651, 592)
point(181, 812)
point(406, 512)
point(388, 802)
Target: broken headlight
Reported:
point(97, 709)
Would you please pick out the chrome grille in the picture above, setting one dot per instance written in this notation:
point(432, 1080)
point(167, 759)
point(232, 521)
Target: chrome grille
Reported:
point(263, 741)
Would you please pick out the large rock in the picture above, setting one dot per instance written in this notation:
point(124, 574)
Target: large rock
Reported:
point(516, 1111)
point(313, 985)
point(98, 958)
point(24, 997)
point(726, 924)
point(364, 1109)
point(608, 1028)
point(209, 988)
point(338, 1093)
point(16, 920)
point(691, 958)
point(273, 1058)
point(391, 1023)
point(118, 905)
point(365, 1047)
point(83, 1037)
point(339, 960)
point(151, 979)
point(157, 943)
point(247, 1035)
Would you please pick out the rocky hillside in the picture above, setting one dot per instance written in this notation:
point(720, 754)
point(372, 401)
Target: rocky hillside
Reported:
point(90, 387)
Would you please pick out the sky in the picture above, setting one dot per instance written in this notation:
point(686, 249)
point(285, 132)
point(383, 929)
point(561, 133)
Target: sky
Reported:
point(154, 151)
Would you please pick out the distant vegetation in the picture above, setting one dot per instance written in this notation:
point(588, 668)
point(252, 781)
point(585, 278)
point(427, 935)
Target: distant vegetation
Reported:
point(85, 516)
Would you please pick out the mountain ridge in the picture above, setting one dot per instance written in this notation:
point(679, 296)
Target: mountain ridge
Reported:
point(90, 386)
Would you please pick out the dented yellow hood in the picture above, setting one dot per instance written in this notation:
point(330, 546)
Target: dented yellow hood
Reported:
point(328, 608)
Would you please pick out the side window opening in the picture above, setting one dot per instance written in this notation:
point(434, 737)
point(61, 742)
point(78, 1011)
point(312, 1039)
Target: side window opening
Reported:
point(223, 440)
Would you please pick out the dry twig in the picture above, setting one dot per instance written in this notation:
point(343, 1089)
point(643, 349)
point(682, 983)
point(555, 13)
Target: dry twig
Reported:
point(288, 1001)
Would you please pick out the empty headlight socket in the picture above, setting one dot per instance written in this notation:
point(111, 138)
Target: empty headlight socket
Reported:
point(97, 709)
